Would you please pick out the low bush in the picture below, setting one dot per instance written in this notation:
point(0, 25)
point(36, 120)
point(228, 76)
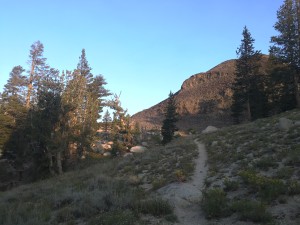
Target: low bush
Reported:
point(265, 163)
point(155, 207)
point(293, 187)
point(230, 185)
point(251, 210)
point(215, 203)
point(267, 188)
point(114, 218)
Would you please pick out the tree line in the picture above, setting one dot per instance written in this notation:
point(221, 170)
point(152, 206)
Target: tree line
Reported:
point(48, 119)
point(256, 94)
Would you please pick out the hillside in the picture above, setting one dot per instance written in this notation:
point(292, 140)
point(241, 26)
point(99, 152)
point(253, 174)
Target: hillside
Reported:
point(253, 178)
point(204, 99)
point(254, 172)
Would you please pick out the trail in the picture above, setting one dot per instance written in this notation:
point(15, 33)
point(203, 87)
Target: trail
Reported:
point(185, 197)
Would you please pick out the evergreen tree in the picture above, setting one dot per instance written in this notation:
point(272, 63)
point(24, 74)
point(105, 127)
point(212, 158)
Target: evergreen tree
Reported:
point(84, 68)
point(85, 95)
point(12, 109)
point(16, 84)
point(280, 86)
point(37, 68)
point(169, 123)
point(247, 78)
point(106, 121)
point(286, 46)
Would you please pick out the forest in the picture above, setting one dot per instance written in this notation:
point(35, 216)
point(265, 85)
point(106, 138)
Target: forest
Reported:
point(49, 118)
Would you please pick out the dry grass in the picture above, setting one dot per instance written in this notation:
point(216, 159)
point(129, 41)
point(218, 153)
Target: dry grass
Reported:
point(103, 191)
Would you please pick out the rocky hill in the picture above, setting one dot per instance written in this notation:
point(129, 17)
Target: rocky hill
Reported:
point(204, 99)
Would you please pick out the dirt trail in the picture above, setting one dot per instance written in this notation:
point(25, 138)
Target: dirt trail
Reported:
point(185, 197)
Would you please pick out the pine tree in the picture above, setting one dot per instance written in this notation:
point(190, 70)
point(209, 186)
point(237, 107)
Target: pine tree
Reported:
point(247, 71)
point(286, 46)
point(12, 109)
point(16, 84)
point(106, 121)
point(169, 123)
point(84, 68)
point(85, 95)
point(37, 68)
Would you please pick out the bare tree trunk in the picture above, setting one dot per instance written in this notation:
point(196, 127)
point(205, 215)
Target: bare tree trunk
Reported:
point(30, 86)
point(51, 164)
point(297, 75)
point(296, 91)
point(248, 110)
point(59, 164)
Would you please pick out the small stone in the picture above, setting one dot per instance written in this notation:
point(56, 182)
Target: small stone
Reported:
point(285, 124)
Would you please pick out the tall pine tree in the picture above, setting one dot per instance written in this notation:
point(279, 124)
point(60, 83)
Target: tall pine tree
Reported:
point(37, 68)
point(245, 86)
point(286, 46)
point(169, 123)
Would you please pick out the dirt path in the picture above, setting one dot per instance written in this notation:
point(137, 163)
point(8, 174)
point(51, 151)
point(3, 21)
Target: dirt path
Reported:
point(185, 197)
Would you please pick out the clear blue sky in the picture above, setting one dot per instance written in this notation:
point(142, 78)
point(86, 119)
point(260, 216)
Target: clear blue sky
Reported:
point(143, 48)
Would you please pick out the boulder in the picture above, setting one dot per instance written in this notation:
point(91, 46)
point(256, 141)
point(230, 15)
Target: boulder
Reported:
point(138, 149)
point(297, 123)
point(106, 154)
point(209, 129)
point(285, 124)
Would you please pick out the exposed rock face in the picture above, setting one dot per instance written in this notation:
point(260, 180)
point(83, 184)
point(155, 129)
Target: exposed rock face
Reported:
point(204, 99)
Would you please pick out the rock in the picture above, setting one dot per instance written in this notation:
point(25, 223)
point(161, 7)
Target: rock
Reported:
point(297, 123)
point(214, 143)
point(209, 129)
point(285, 124)
point(128, 154)
point(145, 144)
point(138, 149)
point(107, 154)
point(106, 146)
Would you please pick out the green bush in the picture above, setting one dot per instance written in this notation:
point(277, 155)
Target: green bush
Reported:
point(268, 188)
point(155, 207)
point(293, 187)
point(284, 173)
point(230, 185)
point(265, 163)
point(114, 218)
point(251, 210)
point(215, 203)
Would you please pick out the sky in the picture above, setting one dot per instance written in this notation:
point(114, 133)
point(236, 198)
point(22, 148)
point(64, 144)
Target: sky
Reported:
point(143, 48)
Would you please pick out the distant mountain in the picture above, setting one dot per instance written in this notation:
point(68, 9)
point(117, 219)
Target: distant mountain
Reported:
point(204, 99)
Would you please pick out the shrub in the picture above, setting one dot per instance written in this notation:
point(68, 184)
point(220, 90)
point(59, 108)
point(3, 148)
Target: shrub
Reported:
point(251, 210)
point(114, 218)
point(268, 188)
point(265, 163)
point(215, 203)
point(230, 185)
point(158, 183)
point(155, 207)
point(293, 187)
point(284, 173)
point(180, 175)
